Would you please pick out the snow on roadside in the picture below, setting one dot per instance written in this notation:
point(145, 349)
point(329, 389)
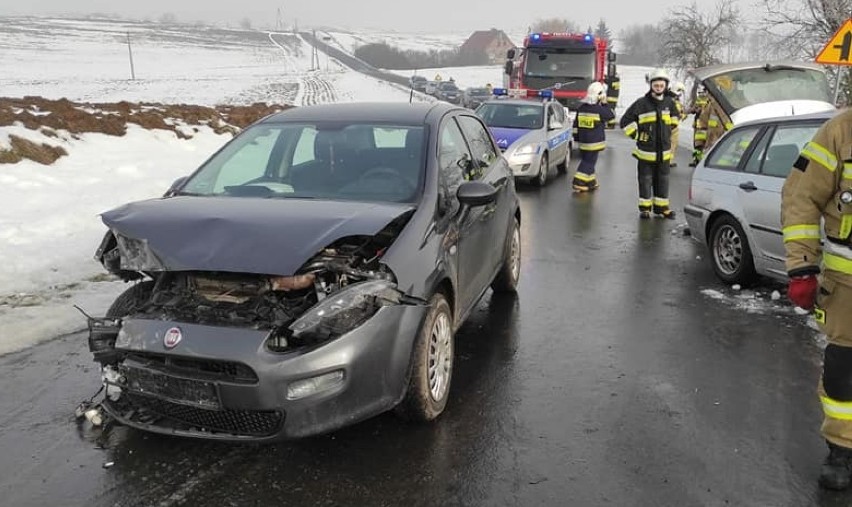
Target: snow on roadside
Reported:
point(48, 238)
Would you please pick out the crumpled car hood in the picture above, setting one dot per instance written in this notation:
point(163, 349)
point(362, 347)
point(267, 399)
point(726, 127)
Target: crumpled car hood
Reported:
point(243, 235)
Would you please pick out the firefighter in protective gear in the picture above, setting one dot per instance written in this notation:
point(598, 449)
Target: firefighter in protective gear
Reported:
point(677, 95)
point(613, 90)
point(699, 129)
point(819, 189)
point(715, 121)
point(588, 131)
point(649, 121)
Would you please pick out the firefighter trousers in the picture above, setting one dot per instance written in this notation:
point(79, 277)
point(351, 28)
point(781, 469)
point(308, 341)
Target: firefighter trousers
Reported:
point(835, 387)
point(588, 160)
point(654, 186)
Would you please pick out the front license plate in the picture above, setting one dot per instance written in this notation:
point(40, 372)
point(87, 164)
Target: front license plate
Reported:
point(197, 393)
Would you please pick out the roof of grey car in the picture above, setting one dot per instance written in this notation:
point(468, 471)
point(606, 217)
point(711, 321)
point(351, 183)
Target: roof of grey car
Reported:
point(703, 73)
point(401, 113)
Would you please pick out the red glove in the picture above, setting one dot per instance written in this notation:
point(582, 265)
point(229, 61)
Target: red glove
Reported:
point(802, 291)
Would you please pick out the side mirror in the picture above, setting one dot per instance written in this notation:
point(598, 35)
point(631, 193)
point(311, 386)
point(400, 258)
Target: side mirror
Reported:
point(510, 54)
point(509, 67)
point(175, 186)
point(476, 193)
point(610, 56)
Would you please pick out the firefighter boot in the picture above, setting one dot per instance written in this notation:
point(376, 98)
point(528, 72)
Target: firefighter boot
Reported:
point(837, 468)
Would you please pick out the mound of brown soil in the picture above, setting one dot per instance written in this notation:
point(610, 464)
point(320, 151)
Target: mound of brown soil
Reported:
point(53, 116)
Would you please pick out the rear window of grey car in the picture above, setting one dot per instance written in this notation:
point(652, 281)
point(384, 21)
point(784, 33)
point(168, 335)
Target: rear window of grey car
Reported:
point(777, 153)
point(357, 161)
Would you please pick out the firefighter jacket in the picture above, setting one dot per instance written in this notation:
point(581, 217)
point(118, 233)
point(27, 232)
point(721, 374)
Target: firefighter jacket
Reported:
point(819, 188)
point(589, 123)
point(649, 122)
point(613, 90)
point(679, 110)
point(714, 122)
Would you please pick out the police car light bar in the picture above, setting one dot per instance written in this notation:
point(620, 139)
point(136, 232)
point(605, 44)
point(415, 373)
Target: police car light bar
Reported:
point(522, 93)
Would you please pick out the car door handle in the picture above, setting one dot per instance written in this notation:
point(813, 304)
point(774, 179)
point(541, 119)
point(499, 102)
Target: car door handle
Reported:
point(748, 186)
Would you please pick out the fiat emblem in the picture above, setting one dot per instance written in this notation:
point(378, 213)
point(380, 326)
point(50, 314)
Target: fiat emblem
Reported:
point(172, 338)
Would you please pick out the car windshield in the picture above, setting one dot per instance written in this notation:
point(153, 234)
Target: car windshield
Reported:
point(479, 92)
point(747, 87)
point(353, 161)
point(419, 79)
point(449, 87)
point(519, 116)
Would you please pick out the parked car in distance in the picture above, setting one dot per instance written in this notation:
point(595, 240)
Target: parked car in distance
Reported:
point(734, 204)
point(534, 134)
point(309, 275)
point(431, 88)
point(473, 97)
point(449, 92)
point(418, 83)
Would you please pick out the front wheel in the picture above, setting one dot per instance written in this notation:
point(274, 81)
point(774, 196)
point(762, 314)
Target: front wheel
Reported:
point(544, 168)
point(131, 299)
point(730, 252)
point(563, 167)
point(431, 365)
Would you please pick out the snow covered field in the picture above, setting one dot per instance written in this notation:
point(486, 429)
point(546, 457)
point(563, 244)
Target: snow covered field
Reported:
point(49, 224)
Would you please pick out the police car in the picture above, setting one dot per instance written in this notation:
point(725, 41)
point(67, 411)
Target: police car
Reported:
point(532, 130)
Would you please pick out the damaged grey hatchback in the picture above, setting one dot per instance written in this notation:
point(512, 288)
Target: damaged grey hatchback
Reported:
point(310, 274)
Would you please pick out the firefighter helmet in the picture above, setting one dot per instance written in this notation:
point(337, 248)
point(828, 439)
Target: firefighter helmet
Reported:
point(595, 92)
point(658, 74)
point(679, 87)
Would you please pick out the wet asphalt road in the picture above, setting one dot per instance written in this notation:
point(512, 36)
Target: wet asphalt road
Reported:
point(609, 380)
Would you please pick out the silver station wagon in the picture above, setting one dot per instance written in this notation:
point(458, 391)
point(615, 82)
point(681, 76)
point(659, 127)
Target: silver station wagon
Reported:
point(734, 204)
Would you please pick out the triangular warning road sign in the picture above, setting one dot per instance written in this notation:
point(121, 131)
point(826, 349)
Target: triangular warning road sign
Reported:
point(838, 51)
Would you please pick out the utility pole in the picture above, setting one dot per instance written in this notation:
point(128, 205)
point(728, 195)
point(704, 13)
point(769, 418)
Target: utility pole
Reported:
point(130, 53)
point(315, 62)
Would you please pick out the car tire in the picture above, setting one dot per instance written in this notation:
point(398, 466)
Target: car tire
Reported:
point(431, 365)
point(129, 300)
point(510, 270)
point(563, 167)
point(730, 252)
point(544, 167)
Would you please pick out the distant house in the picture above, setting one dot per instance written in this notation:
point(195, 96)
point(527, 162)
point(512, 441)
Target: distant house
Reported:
point(491, 43)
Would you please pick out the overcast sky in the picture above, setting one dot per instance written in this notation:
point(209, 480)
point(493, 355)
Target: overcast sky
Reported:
point(406, 15)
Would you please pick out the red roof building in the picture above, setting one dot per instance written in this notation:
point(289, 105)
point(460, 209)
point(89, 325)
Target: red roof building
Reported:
point(492, 43)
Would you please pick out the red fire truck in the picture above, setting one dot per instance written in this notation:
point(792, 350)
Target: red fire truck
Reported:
point(563, 62)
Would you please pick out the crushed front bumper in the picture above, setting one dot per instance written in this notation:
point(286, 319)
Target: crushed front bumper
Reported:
point(223, 383)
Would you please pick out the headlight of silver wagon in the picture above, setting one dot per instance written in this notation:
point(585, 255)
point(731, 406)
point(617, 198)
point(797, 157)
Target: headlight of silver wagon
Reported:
point(344, 310)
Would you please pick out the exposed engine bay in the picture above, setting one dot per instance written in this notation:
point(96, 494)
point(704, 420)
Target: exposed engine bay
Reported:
point(258, 301)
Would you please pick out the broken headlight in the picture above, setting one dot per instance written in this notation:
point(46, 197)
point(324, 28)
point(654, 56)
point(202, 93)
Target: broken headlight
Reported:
point(343, 311)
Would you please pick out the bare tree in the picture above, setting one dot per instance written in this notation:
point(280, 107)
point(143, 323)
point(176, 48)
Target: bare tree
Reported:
point(800, 29)
point(694, 38)
point(640, 45)
point(555, 25)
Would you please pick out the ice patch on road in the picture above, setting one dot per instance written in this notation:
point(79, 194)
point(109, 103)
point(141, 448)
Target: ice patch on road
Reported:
point(766, 302)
